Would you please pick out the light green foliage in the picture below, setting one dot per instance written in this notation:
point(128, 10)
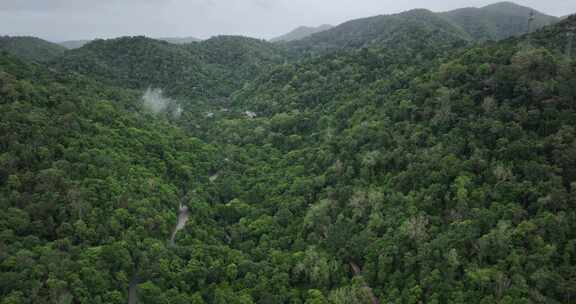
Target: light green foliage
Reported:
point(437, 175)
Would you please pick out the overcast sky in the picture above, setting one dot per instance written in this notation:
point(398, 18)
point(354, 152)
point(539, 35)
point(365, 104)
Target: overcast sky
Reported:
point(59, 20)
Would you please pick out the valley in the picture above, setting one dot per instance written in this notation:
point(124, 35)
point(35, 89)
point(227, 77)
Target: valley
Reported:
point(416, 157)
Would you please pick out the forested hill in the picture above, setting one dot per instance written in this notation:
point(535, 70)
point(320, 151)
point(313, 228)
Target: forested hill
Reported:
point(415, 29)
point(499, 20)
point(214, 67)
point(138, 62)
point(493, 22)
point(30, 48)
point(242, 57)
point(76, 44)
point(90, 184)
point(447, 183)
point(560, 37)
point(419, 173)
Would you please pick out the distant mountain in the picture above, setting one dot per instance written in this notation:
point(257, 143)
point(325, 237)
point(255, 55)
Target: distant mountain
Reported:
point(179, 40)
point(30, 48)
point(421, 27)
point(498, 21)
point(74, 44)
point(415, 29)
point(301, 32)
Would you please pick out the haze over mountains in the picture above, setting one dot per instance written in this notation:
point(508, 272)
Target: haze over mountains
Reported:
point(73, 44)
point(301, 32)
point(417, 157)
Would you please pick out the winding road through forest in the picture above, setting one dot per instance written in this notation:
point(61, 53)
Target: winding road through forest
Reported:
point(183, 216)
point(358, 273)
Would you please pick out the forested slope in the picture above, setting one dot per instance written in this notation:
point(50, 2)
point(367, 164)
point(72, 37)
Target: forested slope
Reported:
point(139, 62)
point(31, 48)
point(498, 21)
point(211, 68)
point(451, 185)
point(402, 173)
point(415, 29)
point(90, 184)
point(493, 22)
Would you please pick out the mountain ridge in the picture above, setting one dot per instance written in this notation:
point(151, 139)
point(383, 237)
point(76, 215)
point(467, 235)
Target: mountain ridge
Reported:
point(31, 48)
point(492, 22)
point(381, 31)
point(498, 21)
point(76, 44)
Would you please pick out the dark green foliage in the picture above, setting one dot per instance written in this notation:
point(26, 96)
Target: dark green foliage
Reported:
point(498, 21)
point(31, 48)
point(408, 174)
point(76, 44)
point(422, 29)
point(413, 30)
point(450, 182)
point(211, 68)
point(239, 59)
point(138, 62)
point(88, 183)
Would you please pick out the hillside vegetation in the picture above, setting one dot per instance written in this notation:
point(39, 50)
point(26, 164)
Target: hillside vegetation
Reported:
point(498, 21)
point(413, 167)
point(213, 67)
point(493, 22)
point(412, 30)
point(31, 48)
point(76, 44)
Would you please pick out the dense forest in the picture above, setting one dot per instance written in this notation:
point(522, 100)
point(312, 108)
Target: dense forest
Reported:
point(31, 48)
point(394, 159)
point(493, 22)
point(498, 21)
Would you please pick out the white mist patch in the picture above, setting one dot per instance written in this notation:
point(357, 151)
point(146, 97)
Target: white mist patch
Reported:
point(155, 101)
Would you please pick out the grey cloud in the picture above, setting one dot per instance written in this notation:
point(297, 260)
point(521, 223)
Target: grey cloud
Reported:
point(267, 4)
point(49, 5)
point(86, 19)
